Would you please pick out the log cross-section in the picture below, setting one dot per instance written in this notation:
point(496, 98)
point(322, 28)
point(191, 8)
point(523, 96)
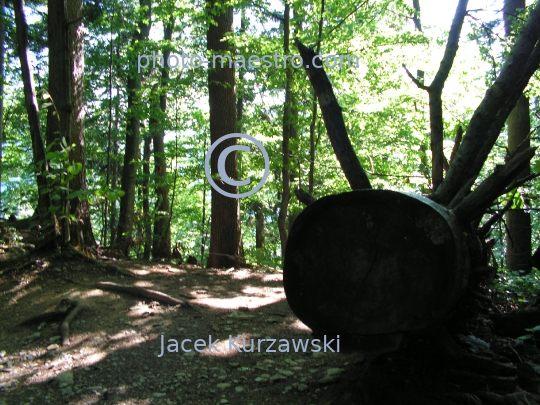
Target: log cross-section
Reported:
point(396, 263)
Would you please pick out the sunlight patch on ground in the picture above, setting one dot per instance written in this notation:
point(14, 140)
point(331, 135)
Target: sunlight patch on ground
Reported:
point(238, 302)
point(126, 339)
point(224, 347)
point(263, 291)
point(37, 371)
point(143, 284)
point(141, 272)
point(298, 324)
point(92, 293)
point(21, 294)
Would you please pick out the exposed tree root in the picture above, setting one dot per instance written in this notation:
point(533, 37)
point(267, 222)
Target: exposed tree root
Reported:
point(145, 293)
point(74, 308)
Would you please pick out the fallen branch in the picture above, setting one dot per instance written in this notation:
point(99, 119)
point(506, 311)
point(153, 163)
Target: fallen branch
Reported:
point(145, 293)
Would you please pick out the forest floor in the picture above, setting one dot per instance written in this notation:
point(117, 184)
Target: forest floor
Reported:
point(113, 354)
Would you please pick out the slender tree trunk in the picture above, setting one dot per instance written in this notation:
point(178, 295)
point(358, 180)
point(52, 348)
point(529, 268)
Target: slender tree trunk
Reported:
point(147, 222)
point(124, 238)
point(2, 57)
point(38, 147)
point(109, 135)
point(113, 220)
point(285, 150)
point(161, 248)
point(435, 90)
point(225, 233)
point(259, 225)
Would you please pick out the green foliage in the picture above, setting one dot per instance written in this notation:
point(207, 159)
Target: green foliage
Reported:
point(530, 335)
point(386, 115)
point(517, 286)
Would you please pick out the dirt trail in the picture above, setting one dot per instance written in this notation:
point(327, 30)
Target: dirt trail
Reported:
point(112, 356)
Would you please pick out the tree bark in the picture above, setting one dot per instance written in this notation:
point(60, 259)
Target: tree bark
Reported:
point(161, 246)
point(225, 233)
point(38, 147)
point(488, 119)
point(58, 114)
point(124, 238)
point(518, 222)
point(81, 228)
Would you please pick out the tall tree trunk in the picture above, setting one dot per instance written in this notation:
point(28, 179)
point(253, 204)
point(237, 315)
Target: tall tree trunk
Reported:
point(58, 114)
point(518, 222)
point(259, 225)
point(38, 147)
point(287, 124)
point(124, 238)
point(225, 233)
point(161, 248)
point(113, 210)
point(2, 57)
point(147, 222)
point(81, 228)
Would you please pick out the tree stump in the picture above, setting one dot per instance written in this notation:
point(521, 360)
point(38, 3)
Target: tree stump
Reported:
point(374, 262)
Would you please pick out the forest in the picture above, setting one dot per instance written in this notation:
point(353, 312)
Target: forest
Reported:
point(229, 202)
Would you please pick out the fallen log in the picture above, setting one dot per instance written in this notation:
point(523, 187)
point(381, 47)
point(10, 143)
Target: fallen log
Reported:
point(374, 262)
